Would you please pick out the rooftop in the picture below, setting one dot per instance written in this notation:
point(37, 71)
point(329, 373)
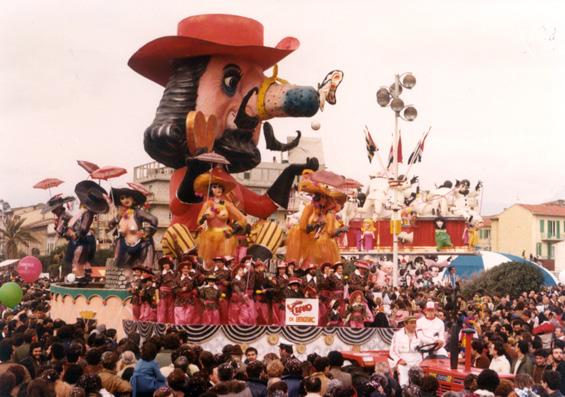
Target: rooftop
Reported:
point(547, 209)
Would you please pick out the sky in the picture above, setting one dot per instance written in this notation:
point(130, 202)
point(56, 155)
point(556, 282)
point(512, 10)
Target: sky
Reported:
point(489, 83)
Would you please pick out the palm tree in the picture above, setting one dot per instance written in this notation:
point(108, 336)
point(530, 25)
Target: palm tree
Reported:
point(14, 235)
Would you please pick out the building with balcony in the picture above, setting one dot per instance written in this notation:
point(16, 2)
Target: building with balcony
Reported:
point(531, 230)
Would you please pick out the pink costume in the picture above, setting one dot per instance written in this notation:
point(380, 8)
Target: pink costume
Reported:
point(261, 286)
point(279, 300)
point(165, 308)
point(241, 308)
point(148, 306)
point(186, 309)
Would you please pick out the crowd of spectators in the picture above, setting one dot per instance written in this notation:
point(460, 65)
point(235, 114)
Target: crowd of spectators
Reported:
point(518, 344)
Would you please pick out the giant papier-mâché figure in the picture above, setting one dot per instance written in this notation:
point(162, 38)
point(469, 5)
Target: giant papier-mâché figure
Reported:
point(216, 98)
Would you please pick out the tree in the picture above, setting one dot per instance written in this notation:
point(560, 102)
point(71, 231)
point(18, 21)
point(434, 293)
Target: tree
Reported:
point(510, 278)
point(15, 235)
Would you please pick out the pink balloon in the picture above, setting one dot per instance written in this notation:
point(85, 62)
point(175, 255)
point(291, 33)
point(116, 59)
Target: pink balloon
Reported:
point(29, 268)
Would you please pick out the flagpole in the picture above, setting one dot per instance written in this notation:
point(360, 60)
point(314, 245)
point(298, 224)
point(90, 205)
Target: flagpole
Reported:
point(420, 142)
point(395, 192)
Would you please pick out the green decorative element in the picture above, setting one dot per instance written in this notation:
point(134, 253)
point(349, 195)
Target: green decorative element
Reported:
point(10, 294)
point(89, 293)
point(443, 240)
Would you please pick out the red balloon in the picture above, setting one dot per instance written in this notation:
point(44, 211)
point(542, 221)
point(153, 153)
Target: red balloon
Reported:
point(29, 268)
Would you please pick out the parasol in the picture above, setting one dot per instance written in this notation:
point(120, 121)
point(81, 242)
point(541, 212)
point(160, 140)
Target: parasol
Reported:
point(140, 188)
point(212, 157)
point(108, 172)
point(349, 183)
point(47, 184)
point(328, 178)
point(88, 166)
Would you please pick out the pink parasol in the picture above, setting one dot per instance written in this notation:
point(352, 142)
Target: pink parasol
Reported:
point(108, 172)
point(88, 166)
point(140, 188)
point(327, 178)
point(212, 157)
point(47, 184)
point(349, 183)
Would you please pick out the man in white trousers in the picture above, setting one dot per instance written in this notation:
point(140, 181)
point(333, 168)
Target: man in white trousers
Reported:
point(403, 353)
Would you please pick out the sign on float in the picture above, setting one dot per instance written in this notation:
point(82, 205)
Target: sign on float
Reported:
point(301, 311)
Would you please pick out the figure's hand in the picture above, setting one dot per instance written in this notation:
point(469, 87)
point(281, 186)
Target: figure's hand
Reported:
point(401, 362)
point(439, 344)
point(312, 163)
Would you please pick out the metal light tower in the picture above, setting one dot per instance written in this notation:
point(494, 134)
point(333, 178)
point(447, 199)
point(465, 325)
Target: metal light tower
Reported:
point(391, 96)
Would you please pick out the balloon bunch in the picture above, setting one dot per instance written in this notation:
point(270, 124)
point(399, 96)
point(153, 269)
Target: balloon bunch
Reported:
point(29, 269)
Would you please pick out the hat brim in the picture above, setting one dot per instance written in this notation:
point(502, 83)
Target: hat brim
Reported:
point(138, 197)
point(154, 59)
point(50, 207)
point(91, 195)
point(203, 182)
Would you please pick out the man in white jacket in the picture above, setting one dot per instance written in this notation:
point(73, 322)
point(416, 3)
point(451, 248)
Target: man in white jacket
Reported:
point(403, 352)
point(431, 329)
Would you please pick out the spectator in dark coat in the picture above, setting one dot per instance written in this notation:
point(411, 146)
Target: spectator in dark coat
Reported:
point(255, 373)
point(293, 376)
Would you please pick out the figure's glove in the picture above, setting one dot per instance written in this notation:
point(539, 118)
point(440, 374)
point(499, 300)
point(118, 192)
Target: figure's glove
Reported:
point(280, 189)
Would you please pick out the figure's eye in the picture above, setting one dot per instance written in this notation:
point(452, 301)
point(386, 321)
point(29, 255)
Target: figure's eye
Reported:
point(232, 76)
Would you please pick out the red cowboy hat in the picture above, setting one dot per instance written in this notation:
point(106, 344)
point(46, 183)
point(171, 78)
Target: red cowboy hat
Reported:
point(209, 34)
point(362, 265)
point(295, 280)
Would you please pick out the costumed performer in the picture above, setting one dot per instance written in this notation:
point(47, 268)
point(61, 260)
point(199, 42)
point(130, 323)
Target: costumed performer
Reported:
point(313, 239)
point(135, 228)
point(281, 283)
point(82, 241)
point(149, 297)
point(56, 205)
point(166, 282)
point(186, 307)
point(135, 289)
point(357, 312)
point(219, 218)
point(241, 307)
point(210, 296)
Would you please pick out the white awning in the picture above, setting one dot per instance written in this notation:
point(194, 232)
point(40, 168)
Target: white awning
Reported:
point(8, 262)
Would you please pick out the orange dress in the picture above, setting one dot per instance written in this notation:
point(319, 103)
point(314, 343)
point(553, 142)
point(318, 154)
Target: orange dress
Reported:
point(316, 246)
point(217, 239)
point(325, 248)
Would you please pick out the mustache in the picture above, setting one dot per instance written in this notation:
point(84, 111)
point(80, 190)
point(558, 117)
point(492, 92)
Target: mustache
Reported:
point(242, 119)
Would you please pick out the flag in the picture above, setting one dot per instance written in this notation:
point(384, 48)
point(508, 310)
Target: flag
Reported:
point(416, 155)
point(398, 152)
point(370, 144)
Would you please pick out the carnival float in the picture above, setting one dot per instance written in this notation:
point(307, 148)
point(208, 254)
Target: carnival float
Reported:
point(326, 273)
